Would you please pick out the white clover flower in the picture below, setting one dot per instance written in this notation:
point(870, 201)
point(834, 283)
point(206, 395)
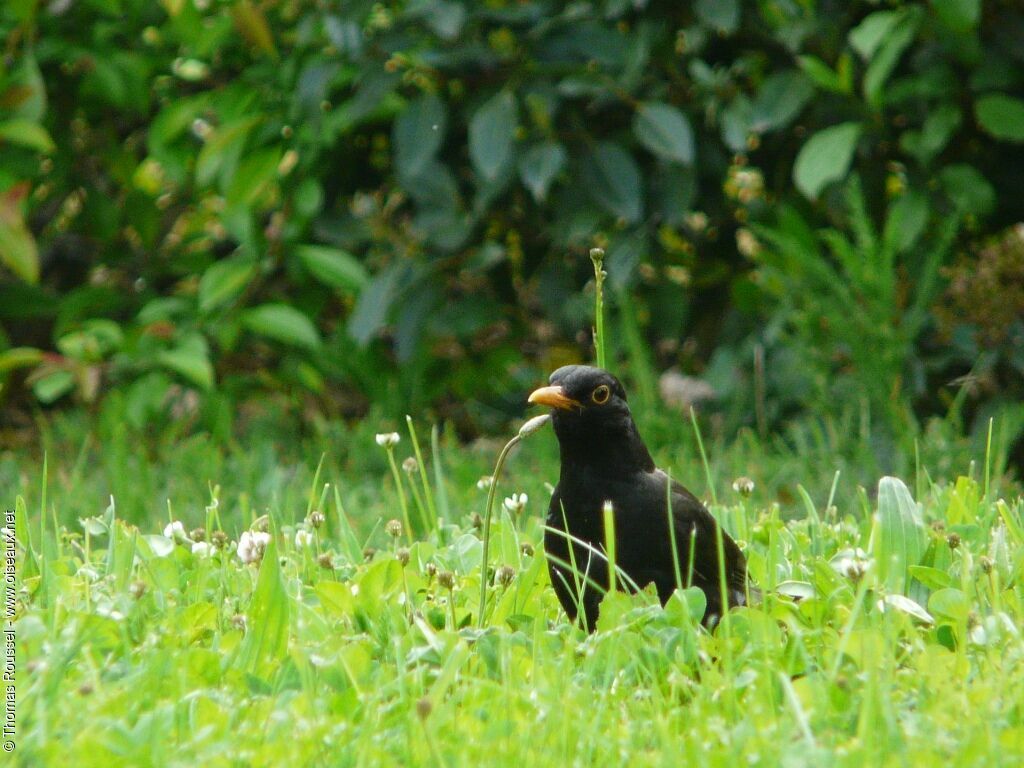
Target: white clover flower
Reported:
point(744, 486)
point(388, 439)
point(202, 548)
point(851, 563)
point(303, 538)
point(252, 545)
point(516, 503)
point(175, 530)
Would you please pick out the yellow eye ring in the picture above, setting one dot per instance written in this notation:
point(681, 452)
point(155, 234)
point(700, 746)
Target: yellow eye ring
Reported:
point(601, 394)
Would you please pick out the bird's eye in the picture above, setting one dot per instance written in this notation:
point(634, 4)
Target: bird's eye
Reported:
point(601, 394)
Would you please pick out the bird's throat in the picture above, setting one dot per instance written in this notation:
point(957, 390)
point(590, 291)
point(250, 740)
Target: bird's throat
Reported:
point(586, 454)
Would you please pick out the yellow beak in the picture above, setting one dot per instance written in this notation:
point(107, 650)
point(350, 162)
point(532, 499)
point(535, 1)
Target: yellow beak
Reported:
point(553, 396)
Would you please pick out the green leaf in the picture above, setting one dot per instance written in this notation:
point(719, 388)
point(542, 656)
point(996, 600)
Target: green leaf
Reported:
point(958, 15)
point(371, 311)
point(26, 82)
point(837, 81)
point(900, 537)
point(251, 23)
point(950, 603)
point(256, 171)
point(223, 280)
point(673, 192)
point(418, 133)
point(721, 15)
point(906, 220)
point(491, 134)
point(907, 606)
point(867, 37)
point(968, 189)
point(283, 323)
point(888, 56)
point(190, 360)
point(933, 578)
point(266, 637)
point(19, 357)
point(539, 166)
point(1001, 116)
point(222, 149)
point(27, 134)
point(53, 386)
point(825, 158)
point(665, 131)
point(939, 126)
point(781, 98)
point(613, 181)
point(333, 266)
point(18, 250)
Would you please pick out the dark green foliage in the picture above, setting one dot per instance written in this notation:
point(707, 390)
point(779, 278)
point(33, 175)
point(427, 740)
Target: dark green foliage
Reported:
point(389, 200)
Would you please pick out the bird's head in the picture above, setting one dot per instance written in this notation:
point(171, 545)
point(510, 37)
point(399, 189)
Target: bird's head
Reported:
point(590, 415)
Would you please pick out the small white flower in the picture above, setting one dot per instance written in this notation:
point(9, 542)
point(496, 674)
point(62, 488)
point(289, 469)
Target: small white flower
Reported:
point(388, 439)
point(744, 486)
point(484, 482)
point(851, 563)
point(516, 503)
point(176, 531)
point(303, 538)
point(252, 545)
point(202, 548)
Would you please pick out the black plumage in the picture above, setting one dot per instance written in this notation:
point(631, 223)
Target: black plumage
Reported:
point(604, 459)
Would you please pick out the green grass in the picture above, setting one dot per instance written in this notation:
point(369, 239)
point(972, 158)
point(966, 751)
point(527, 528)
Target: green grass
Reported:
point(135, 651)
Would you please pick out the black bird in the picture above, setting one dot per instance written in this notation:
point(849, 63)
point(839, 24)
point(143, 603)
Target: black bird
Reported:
point(604, 459)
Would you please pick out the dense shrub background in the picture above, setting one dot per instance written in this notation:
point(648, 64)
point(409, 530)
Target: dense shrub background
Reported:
point(808, 204)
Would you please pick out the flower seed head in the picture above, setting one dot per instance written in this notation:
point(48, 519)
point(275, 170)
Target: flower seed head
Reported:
point(410, 465)
point(388, 439)
point(219, 539)
point(526, 549)
point(446, 579)
point(477, 521)
point(326, 562)
point(261, 523)
point(744, 486)
point(504, 575)
point(368, 553)
point(393, 528)
point(424, 708)
point(953, 540)
point(403, 556)
point(316, 518)
point(198, 534)
point(534, 424)
point(430, 569)
point(985, 563)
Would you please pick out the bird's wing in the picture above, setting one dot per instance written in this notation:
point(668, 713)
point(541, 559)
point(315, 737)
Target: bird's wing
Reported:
point(690, 518)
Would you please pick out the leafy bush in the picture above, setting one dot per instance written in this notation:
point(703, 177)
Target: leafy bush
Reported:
point(214, 198)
